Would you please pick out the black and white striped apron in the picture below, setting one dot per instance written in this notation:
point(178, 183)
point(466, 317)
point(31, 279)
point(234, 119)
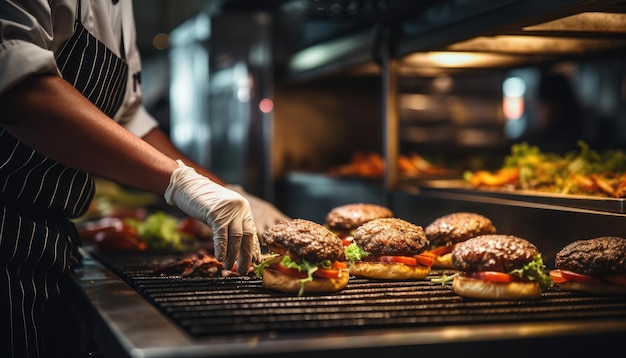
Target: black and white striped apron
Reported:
point(38, 243)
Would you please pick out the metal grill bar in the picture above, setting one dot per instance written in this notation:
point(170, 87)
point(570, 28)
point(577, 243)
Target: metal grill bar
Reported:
point(240, 305)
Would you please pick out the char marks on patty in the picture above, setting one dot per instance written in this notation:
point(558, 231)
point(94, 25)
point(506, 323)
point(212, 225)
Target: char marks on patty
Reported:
point(391, 236)
point(350, 216)
point(457, 227)
point(304, 239)
point(601, 255)
point(502, 253)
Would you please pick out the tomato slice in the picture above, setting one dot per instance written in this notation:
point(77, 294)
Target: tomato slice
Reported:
point(326, 273)
point(425, 259)
point(556, 276)
point(440, 251)
point(616, 279)
point(320, 272)
point(290, 271)
point(422, 259)
point(578, 277)
point(407, 260)
point(493, 276)
point(333, 272)
point(347, 240)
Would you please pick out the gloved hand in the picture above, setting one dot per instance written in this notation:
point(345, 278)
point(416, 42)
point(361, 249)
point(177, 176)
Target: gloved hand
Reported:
point(225, 211)
point(264, 213)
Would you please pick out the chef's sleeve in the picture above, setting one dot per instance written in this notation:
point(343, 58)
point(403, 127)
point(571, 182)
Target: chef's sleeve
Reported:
point(27, 36)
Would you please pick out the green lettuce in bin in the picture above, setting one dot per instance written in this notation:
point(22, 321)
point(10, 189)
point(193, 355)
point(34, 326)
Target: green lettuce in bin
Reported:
point(160, 230)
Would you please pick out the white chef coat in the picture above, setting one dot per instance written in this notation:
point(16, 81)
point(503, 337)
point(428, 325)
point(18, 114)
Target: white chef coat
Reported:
point(32, 30)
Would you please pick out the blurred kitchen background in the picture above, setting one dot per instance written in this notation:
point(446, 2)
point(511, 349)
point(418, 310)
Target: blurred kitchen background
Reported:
point(275, 95)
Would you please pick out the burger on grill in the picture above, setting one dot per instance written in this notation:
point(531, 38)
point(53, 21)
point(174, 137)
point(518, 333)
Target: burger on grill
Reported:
point(342, 220)
point(596, 266)
point(498, 267)
point(448, 230)
point(389, 249)
point(308, 258)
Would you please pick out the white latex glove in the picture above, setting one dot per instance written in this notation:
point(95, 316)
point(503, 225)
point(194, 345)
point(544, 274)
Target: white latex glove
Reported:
point(225, 211)
point(264, 213)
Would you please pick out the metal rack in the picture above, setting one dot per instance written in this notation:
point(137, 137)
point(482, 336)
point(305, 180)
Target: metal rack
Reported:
point(134, 312)
point(498, 35)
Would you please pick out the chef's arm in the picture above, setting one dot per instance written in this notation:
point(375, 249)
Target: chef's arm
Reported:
point(265, 213)
point(49, 115)
point(158, 139)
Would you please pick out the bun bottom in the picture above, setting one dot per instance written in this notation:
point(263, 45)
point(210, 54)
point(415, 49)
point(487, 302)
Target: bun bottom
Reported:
point(443, 262)
point(388, 271)
point(476, 288)
point(276, 280)
point(601, 289)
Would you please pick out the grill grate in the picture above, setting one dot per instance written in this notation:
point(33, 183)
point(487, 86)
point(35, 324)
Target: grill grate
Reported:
point(213, 307)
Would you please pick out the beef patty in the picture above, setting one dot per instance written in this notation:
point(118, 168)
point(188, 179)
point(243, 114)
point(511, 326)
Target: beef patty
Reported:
point(457, 227)
point(304, 239)
point(601, 255)
point(350, 216)
point(391, 236)
point(502, 253)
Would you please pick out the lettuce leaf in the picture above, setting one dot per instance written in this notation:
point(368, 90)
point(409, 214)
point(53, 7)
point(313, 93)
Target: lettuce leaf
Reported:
point(535, 271)
point(354, 252)
point(301, 265)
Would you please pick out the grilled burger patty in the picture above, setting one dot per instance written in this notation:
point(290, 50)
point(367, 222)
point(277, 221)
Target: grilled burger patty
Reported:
point(304, 239)
point(596, 256)
point(350, 216)
point(502, 253)
point(391, 236)
point(457, 227)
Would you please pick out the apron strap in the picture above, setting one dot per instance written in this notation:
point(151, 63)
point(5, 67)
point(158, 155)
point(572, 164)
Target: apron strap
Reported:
point(77, 17)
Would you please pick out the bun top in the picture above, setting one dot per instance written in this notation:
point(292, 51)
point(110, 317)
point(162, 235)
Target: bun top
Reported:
point(601, 255)
point(502, 253)
point(457, 227)
point(391, 236)
point(350, 216)
point(304, 239)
